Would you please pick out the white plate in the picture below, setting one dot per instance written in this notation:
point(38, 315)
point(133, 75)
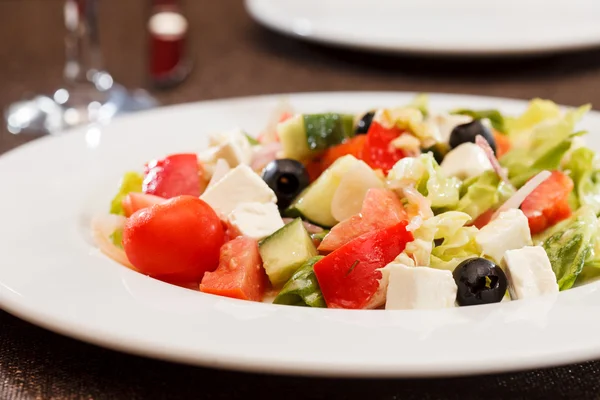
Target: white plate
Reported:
point(52, 275)
point(475, 27)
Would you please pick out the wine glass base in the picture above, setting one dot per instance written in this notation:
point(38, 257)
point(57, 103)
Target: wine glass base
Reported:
point(44, 115)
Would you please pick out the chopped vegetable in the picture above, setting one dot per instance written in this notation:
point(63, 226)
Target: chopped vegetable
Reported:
point(377, 150)
point(494, 116)
point(548, 203)
point(240, 274)
point(483, 193)
point(131, 182)
point(326, 130)
point(425, 175)
point(174, 175)
point(380, 209)
point(569, 246)
point(582, 169)
point(303, 288)
point(349, 277)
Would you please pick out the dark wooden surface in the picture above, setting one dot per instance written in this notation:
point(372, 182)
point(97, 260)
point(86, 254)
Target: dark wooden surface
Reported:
point(235, 57)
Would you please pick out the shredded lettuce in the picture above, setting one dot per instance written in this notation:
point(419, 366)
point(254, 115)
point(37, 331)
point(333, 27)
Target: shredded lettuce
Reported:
point(131, 182)
point(479, 194)
point(494, 116)
point(424, 173)
point(569, 245)
point(541, 137)
point(457, 242)
point(586, 179)
point(302, 289)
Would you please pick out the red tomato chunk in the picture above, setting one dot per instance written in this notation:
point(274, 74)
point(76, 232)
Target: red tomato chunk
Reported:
point(349, 277)
point(240, 274)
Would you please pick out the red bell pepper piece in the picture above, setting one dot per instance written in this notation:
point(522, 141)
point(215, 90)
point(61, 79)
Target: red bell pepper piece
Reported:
point(349, 277)
point(378, 150)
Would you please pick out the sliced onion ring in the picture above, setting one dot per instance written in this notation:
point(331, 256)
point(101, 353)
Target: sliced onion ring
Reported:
point(516, 199)
point(485, 146)
point(102, 227)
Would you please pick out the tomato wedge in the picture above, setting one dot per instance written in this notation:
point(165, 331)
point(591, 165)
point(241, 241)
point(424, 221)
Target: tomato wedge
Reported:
point(136, 201)
point(240, 273)
point(349, 277)
point(378, 150)
point(548, 204)
point(175, 175)
point(381, 208)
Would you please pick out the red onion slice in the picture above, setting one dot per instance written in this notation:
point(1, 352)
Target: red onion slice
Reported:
point(310, 228)
point(516, 199)
point(485, 146)
point(264, 155)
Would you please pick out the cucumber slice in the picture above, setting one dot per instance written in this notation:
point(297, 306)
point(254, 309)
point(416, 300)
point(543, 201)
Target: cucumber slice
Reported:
point(285, 251)
point(326, 130)
point(303, 136)
point(292, 135)
point(314, 203)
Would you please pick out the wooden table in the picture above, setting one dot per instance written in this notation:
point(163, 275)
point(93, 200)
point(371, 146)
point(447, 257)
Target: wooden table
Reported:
point(235, 57)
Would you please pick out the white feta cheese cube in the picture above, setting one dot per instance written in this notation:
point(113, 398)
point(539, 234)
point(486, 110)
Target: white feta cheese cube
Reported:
point(529, 273)
point(510, 230)
point(419, 288)
point(466, 161)
point(447, 122)
point(256, 220)
point(221, 168)
point(232, 146)
point(240, 185)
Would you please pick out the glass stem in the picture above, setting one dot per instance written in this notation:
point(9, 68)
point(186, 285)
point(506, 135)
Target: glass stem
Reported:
point(83, 55)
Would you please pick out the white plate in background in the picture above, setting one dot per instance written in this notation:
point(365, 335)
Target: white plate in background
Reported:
point(442, 27)
point(52, 275)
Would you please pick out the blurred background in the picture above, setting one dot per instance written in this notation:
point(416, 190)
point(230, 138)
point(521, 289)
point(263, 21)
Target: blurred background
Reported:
point(232, 55)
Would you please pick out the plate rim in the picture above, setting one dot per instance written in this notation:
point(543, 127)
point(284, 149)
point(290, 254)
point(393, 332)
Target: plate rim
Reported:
point(255, 10)
point(31, 314)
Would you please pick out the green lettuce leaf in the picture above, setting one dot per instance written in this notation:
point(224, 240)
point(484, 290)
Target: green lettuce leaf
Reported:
point(457, 242)
point(425, 174)
point(421, 103)
point(495, 117)
point(540, 137)
point(131, 182)
point(455, 248)
point(481, 193)
point(586, 179)
point(117, 237)
point(569, 245)
point(302, 289)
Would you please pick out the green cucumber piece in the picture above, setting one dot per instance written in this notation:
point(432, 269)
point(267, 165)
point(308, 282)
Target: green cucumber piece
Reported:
point(326, 130)
point(292, 135)
point(303, 136)
point(314, 203)
point(285, 251)
point(303, 288)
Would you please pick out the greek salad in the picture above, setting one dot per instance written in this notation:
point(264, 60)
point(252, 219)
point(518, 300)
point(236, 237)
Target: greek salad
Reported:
point(395, 208)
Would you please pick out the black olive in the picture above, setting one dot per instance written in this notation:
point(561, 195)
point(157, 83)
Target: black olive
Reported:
point(479, 281)
point(287, 178)
point(439, 151)
point(468, 132)
point(364, 123)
